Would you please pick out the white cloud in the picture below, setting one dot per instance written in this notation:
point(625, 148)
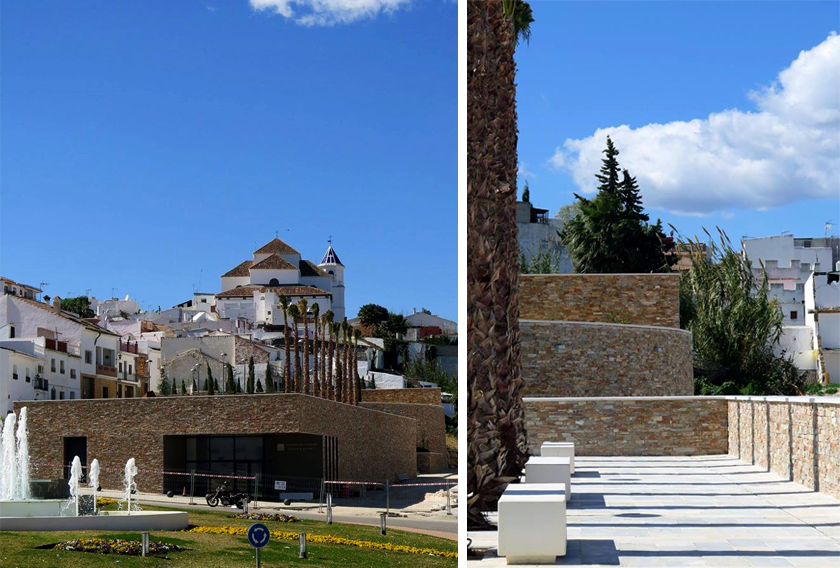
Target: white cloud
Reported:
point(788, 149)
point(524, 172)
point(327, 12)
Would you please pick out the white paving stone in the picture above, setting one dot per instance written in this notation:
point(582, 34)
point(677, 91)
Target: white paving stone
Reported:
point(690, 511)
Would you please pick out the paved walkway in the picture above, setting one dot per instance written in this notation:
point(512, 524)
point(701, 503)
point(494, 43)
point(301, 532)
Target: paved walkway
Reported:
point(690, 511)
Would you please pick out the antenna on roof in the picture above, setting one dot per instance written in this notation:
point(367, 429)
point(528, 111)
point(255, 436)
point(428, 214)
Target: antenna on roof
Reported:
point(828, 227)
point(329, 240)
point(41, 285)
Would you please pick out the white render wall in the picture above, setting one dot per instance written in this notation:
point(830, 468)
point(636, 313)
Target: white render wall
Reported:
point(797, 343)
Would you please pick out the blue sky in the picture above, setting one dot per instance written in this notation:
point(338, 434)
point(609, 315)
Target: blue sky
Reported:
point(710, 144)
point(148, 146)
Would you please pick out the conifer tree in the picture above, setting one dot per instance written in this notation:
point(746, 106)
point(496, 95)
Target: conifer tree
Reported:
point(165, 387)
point(209, 384)
point(238, 386)
point(611, 234)
point(183, 387)
point(269, 378)
point(230, 386)
point(259, 386)
point(249, 386)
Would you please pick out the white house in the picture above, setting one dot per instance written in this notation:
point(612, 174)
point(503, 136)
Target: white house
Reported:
point(822, 314)
point(18, 289)
point(97, 347)
point(114, 306)
point(424, 319)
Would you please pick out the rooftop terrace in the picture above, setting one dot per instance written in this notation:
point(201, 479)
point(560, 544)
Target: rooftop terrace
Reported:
point(690, 511)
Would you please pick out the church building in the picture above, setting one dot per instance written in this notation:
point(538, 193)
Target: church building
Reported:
point(252, 289)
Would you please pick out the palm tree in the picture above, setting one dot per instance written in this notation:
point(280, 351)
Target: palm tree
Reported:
point(287, 370)
point(303, 306)
point(294, 312)
point(325, 385)
point(337, 345)
point(496, 435)
point(357, 335)
point(328, 317)
point(316, 386)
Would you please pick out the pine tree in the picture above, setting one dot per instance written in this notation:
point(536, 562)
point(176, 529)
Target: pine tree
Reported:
point(209, 384)
point(611, 233)
point(249, 385)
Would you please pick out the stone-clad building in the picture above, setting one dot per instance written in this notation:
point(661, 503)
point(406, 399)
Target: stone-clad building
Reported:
point(295, 438)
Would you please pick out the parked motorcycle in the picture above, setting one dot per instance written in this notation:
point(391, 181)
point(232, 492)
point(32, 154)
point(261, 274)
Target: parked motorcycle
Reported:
point(225, 497)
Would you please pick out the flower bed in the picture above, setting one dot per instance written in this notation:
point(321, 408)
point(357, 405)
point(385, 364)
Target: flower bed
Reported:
point(105, 501)
point(277, 517)
point(115, 546)
point(328, 539)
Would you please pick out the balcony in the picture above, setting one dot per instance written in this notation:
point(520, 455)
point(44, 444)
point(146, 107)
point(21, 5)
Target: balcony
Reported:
point(55, 345)
point(106, 370)
point(41, 384)
point(128, 347)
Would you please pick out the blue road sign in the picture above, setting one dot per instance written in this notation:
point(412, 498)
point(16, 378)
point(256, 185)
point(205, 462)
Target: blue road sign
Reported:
point(258, 535)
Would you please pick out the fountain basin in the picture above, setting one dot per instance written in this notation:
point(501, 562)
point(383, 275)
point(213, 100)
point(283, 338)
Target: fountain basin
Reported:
point(105, 521)
point(33, 508)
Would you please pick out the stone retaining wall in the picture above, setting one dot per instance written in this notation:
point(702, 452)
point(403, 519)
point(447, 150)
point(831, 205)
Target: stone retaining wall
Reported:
point(797, 438)
point(643, 299)
point(630, 426)
point(431, 425)
point(413, 396)
point(569, 359)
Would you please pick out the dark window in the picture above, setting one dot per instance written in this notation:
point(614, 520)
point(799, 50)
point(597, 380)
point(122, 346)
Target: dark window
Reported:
point(794, 314)
point(104, 392)
point(273, 282)
point(12, 332)
point(88, 357)
point(52, 393)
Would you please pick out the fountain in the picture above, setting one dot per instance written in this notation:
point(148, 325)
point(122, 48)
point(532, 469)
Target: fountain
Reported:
point(129, 484)
point(19, 511)
point(93, 480)
point(75, 477)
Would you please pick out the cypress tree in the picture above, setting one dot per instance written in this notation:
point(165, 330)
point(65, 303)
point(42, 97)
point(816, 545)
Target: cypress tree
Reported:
point(165, 388)
point(230, 386)
point(249, 386)
point(183, 387)
point(238, 386)
point(209, 384)
point(259, 386)
point(269, 378)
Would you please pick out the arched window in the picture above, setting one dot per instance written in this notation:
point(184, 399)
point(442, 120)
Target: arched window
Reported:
point(332, 273)
point(273, 282)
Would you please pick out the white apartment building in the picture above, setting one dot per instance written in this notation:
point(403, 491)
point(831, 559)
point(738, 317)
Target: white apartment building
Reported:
point(18, 289)
point(789, 263)
point(38, 369)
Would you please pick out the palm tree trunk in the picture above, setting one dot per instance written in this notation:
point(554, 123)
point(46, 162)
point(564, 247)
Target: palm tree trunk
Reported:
point(330, 374)
point(287, 370)
point(297, 384)
point(497, 441)
point(305, 354)
point(316, 386)
point(323, 365)
point(337, 365)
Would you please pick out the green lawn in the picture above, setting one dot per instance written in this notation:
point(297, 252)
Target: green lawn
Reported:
point(21, 549)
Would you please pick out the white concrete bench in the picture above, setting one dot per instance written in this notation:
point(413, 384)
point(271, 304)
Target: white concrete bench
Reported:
point(532, 523)
point(540, 469)
point(560, 450)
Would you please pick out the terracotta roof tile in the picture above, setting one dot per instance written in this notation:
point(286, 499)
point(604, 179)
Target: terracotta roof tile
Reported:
point(241, 270)
point(288, 289)
point(274, 262)
point(276, 246)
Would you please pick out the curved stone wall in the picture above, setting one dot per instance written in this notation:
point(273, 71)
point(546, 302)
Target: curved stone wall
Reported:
point(640, 299)
point(576, 359)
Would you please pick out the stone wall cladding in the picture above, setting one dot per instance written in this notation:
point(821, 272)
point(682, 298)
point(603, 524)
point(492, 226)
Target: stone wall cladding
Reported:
point(797, 438)
point(568, 359)
point(663, 426)
point(643, 299)
point(372, 445)
point(414, 396)
point(431, 426)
